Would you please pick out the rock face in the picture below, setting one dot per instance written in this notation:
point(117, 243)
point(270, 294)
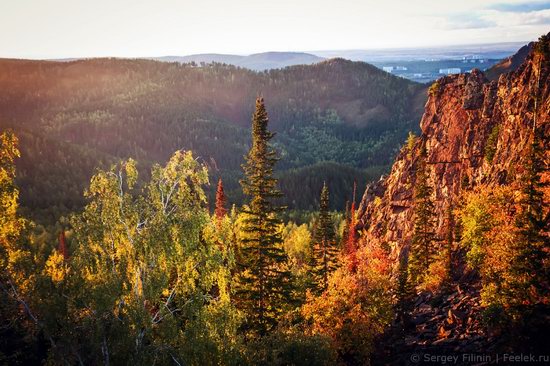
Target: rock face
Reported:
point(510, 63)
point(461, 113)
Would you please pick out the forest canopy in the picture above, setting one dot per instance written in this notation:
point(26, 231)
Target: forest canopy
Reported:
point(339, 120)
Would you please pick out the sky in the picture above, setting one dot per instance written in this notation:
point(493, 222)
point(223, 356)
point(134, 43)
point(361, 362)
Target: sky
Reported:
point(141, 28)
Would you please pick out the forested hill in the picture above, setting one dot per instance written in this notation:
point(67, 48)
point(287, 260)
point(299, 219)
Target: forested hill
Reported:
point(74, 116)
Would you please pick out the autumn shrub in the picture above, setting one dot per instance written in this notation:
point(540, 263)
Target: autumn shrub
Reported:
point(434, 88)
point(410, 143)
point(491, 144)
point(489, 235)
point(356, 306)
point(437, 273)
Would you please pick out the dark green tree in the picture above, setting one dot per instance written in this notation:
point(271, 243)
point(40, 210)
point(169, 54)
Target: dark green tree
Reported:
point(422, 247)
point(403, 289)
point(263, 283)
point(530, 264)
point(325, 248)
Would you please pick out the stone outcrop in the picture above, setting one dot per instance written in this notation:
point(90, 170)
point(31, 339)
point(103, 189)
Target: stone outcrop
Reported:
point(461, 113)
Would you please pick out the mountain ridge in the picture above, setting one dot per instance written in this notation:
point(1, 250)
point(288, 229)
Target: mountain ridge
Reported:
point(256, 61)
point(334, 111)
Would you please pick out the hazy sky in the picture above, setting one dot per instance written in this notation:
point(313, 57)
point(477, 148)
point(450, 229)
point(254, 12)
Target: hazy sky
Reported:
point(133, 28)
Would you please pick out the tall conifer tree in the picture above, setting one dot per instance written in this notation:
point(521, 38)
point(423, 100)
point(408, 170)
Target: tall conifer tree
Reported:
point(324, 249)
point(530, 265)
point(351, 244)
point(422, 247)
point(403, 289)
point(263, 283)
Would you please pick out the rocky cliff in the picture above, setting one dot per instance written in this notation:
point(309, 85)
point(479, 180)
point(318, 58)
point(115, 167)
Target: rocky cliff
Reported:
point(461, 114)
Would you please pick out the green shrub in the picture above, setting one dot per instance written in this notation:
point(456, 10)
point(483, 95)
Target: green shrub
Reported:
point(294, 348)
point(411, 141)
point(491, 145)
point(434, 88)
point(542, 47)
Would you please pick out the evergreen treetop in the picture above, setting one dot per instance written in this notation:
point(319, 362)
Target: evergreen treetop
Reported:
point(324, 244)
point(422, 246)
point(264, 283)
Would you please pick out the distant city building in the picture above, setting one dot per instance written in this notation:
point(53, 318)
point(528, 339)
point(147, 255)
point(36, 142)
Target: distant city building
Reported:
point(472, 57)
point(451, 70)
point(394, 68)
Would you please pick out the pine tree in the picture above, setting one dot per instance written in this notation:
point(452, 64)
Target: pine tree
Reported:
point(351, 243)
point(263, 283)
point(403, 290)
point(221, 201)
point(422, 247)
point(324, 244)
point(530, 264)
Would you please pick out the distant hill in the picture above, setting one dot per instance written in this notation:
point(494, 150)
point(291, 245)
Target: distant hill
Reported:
point(276, 60)
point(74, 116)
point(509, 63)
point(204, 57)
point(257, 61)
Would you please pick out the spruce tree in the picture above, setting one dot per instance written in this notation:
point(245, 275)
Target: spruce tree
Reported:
point(351, 244)
point(404, 289)
point(221, 201)
point(263, 283)
point(530, 264)
point(422, 247)
point(324, 250)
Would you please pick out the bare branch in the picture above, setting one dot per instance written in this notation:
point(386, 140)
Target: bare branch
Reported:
point(175, 360)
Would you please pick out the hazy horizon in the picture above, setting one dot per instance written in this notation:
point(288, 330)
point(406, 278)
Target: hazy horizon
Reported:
point(67, 29)
point(327, 53)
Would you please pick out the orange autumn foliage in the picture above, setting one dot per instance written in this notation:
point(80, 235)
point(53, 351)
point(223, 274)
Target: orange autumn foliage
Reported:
point(355, 307)
point(62, 246)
